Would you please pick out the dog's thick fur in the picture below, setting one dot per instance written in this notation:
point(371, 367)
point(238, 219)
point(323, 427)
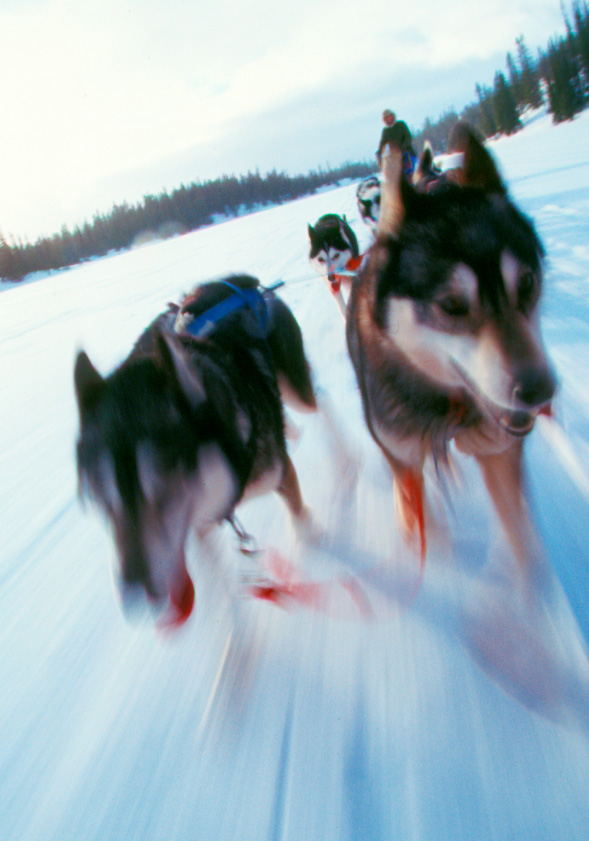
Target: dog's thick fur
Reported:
point(443, 332)
point(333, 249)
point(186, 428)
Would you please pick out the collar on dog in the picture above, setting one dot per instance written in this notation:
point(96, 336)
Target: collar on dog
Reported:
point(252, 298)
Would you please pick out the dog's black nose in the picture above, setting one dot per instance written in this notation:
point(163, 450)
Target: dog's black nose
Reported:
point(534, 387)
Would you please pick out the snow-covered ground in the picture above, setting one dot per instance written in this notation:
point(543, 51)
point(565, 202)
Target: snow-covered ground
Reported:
point(456, 713)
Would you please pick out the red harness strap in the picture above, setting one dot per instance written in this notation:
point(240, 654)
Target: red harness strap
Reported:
point(354, 263)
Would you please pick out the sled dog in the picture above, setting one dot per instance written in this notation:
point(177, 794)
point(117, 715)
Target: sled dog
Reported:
point(428, 177)
point(368, 201)
point(443, 332)
point(188, 426)
point(334, 249)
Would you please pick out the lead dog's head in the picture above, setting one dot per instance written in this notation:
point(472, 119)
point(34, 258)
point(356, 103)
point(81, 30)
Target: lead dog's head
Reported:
point(458, 286)
point(146, 459)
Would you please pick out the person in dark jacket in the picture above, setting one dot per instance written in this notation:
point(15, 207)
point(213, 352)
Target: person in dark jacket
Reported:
point(396, 133)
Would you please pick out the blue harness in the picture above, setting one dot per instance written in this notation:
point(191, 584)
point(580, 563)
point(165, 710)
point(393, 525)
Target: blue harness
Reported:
point(252, 298)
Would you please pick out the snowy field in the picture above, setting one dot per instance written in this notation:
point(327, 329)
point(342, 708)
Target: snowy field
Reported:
point(456, 712)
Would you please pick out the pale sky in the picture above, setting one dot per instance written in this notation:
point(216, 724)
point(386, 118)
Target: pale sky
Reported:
point(107, 100)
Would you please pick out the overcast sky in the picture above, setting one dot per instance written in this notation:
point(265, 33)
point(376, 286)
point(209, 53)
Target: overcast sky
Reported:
point(107, 100)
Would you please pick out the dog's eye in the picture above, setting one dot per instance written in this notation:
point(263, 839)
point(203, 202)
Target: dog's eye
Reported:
point(454, 305)
point(526, 288)
point(321, 259)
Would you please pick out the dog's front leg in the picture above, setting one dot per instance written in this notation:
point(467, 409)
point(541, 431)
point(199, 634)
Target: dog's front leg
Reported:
point(290, 491)
point(503, 475)
point(341, 303)
point(302, 518)
point(409, 501)
point(339, 298)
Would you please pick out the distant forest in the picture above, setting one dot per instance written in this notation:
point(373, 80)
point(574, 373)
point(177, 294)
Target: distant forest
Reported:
point(167, 214)
point(558, 78)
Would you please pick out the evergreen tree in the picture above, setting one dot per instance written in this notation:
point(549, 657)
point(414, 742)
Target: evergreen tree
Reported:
point(6, 260)
point(562, 80)
point(504, 108)
point(515, 82)
point(574, 65)
point(486, 111)
point(581, 19)
point(530, 78)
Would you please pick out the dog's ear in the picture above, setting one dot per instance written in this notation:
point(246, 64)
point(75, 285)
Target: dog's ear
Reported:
point(392, 210)
point(87, 381)
point(173, 361)
point(427, 158)
point(479, 168)
point(311, 230)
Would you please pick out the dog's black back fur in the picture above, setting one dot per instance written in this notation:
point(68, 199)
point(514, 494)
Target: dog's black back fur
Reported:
point(281, 334)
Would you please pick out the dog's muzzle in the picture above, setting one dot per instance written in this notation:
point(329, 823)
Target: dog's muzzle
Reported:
point(335, 282)
point(534, 389)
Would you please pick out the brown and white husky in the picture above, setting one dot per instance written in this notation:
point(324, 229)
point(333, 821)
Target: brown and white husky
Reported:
point(443, 330)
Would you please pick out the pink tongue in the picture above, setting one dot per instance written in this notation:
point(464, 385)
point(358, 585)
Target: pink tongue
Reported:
point(181, 604)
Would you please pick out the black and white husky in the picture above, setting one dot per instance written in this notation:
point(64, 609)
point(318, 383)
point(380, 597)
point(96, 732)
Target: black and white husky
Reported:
point(443, 331)
point(368, 201)
point(334, 253)
point(188, 426)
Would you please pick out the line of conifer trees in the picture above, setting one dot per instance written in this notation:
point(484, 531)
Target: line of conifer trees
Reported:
point(184, 209)
point(559, 77)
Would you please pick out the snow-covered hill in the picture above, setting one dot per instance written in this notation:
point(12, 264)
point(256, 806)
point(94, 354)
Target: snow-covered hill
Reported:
point(457, 714)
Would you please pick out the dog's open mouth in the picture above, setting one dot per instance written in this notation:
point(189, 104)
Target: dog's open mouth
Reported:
point(517, 422)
